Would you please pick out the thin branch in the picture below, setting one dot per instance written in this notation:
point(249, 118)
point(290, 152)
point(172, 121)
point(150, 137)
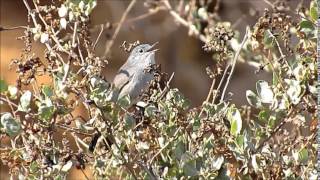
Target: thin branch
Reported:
point(131, 20)
point(9, 102)
point(126, 163)
point(269, 3)
point(143, 16)
point(221, 82)
point(124, 16)
point(71, 129)
point(12, 28)
point(280, 50)
point(79, 142)
point(275, 130)
point(96, 42)
point(67, 70)
point(10, 105)
point(182, 21)
point(74, 34)
point(209, 94)
point(166, 89)
point(211, 90)
point(80, 53)
point(245, 38)
point(84, 174)
point(172, 139)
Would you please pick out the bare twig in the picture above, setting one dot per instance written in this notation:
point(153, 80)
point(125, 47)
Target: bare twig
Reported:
point(87, 178)
point(12, 28)
point(11, 107)
point(143, 16)
point(269, 3)
point(131, 20)
point(124, 16)
point(9, 102)
point(67, 70)
point(74, 34)
point(211, 90)
point(182, 21)
point(80, 53)
point(282, 56)
point(275, 130)
point(172, 139)
point(221, 82)
point(99, 35)
point(166, 89)
point(233, 63)
point(126, 163)
point(209, 94)
point(71, 129)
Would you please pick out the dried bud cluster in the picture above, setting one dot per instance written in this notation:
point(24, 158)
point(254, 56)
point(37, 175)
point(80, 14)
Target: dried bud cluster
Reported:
point(218, 39)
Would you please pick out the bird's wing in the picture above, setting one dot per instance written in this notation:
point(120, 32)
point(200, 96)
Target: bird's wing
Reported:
point(121, 79)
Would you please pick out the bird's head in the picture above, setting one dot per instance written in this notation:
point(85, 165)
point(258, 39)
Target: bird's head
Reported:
point(143, 53)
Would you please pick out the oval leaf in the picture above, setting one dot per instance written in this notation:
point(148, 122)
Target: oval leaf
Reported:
point(264, 91)
point(234, 117)
point(11, 126)
point(25, 100)
point(253, 99)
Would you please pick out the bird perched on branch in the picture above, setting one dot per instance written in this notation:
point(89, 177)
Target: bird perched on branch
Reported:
point(132, 78)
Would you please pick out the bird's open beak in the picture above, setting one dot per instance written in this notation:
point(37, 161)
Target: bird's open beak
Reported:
point(152, 46)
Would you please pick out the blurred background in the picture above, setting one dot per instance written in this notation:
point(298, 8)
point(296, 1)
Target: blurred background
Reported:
point(178, 53)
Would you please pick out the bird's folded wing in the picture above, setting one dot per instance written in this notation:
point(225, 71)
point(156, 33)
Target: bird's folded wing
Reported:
point(121, 79)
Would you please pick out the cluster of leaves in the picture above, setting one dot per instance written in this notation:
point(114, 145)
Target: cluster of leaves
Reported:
point(163, 137)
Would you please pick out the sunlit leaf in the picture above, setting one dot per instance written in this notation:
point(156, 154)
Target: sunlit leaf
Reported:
point(275, 78)
point(217, 163)
point(263, 116)
point(253, 99)
point(306, 26)
point(294, 91)
point(303, 155)
point(67, 166)
point(234, 117)
point(25, 101)
point(13, 92)
point(313, 11)
point(272, 121)
point(264, 91)
point(142, 146)
point(240, 141)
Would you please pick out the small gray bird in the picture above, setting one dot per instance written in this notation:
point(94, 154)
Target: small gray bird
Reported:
point(132, 78)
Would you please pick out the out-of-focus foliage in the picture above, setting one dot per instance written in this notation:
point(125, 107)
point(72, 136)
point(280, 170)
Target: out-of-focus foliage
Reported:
point(166, 138)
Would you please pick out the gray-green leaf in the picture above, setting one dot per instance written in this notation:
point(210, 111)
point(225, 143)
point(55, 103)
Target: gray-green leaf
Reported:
point(253, 99)
point(11, 126)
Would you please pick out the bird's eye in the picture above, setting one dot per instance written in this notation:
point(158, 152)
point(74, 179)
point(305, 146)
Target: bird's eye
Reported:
point(140, 50)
